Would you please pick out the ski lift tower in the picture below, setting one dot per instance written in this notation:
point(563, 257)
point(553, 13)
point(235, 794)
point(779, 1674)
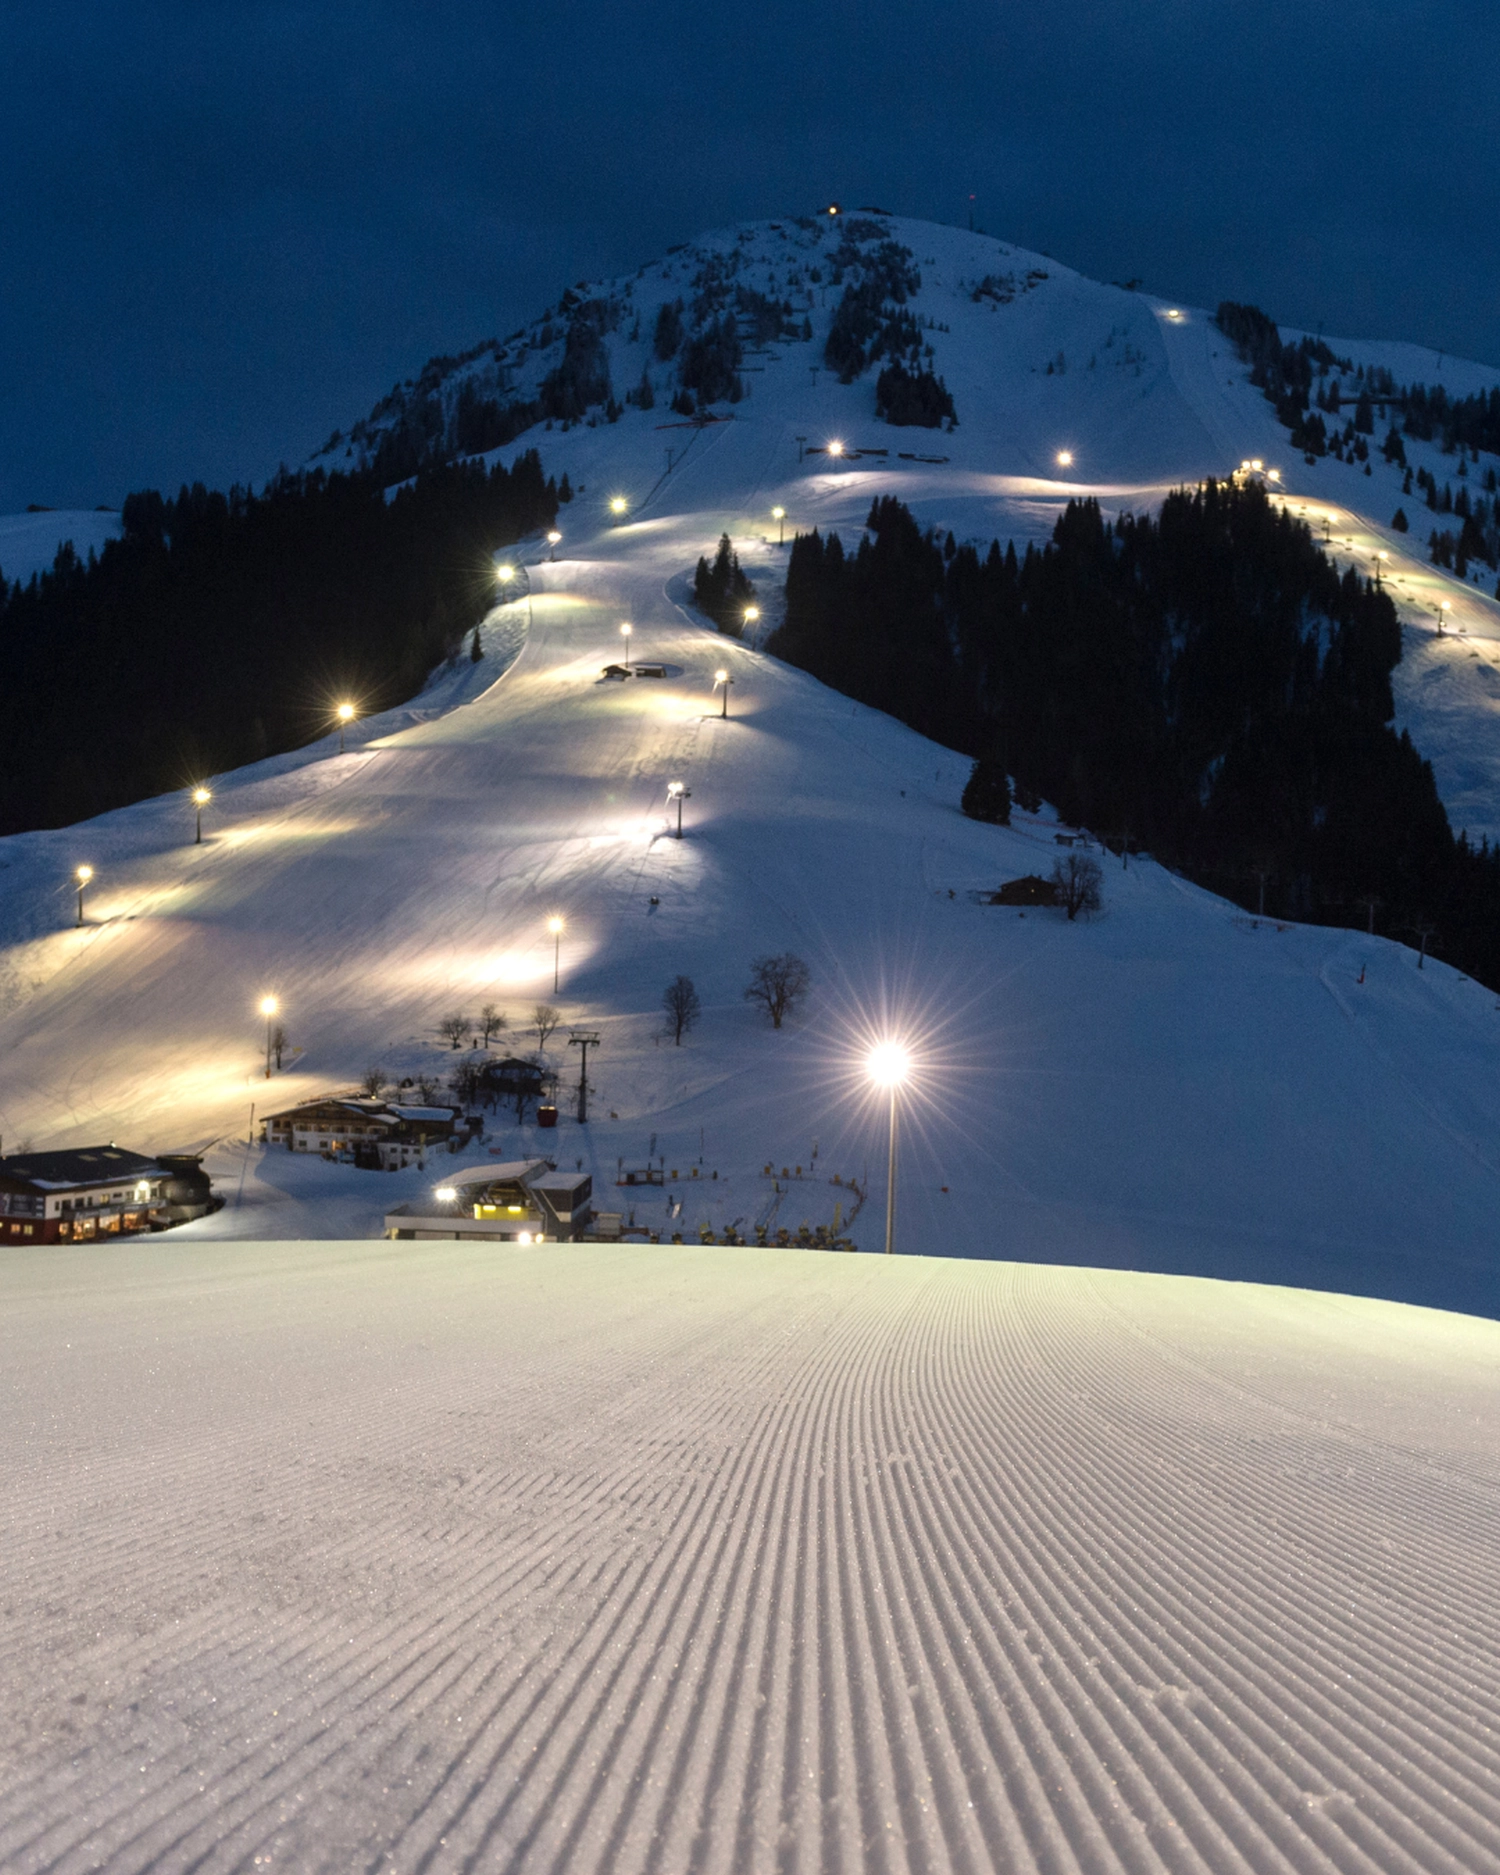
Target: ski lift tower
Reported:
point(583, 1040)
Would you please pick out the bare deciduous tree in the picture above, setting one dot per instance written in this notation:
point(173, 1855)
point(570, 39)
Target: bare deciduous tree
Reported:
point(279, 1044)
point(491, 1022)
point(467, 1083)
point(1077, 879)
point(372, 1082)
point(455, 1028)
point(427, 1091)
point(680, 1000)
point(778, 984)
point(544, 1019)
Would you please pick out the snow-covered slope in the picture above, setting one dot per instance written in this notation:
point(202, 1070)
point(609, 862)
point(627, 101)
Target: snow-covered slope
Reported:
point(599, 1562)
point(29, 542)
point(1170, 1086)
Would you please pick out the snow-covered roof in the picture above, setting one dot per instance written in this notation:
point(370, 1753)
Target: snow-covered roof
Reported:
point(422, 1113)
point(514, 1170)
point(79, 1165)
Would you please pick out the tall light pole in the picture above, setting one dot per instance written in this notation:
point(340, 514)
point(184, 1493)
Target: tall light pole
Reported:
point(778, 515)
point(722, 681)
point(625, 631)
point(553, 537)
point(345, 714)
point(201, 799)
point(268, 1006)
point(1444, 607)
point(752, 614)
point(889, 1065)
point(555, 926)
point(83, 875)
point(677, 792)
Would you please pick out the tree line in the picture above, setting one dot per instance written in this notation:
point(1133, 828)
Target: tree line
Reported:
point(1203, 683)
point(1285, 373)
point(220, 628)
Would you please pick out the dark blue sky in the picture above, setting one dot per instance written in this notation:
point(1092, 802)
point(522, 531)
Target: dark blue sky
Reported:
point(226, 229)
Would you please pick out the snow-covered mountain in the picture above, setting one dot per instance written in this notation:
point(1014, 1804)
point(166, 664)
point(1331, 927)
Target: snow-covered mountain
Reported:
point(1062, 385)
point(1173, 1086)
point(604, 1558)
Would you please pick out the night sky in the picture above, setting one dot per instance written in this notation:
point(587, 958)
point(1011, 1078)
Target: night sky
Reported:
point(226, 229)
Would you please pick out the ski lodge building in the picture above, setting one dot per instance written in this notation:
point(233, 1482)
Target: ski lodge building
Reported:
point(99, 1191)
point(519, 1202)
point(375, 1134)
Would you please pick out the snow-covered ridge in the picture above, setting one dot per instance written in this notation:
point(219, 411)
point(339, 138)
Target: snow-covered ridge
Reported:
point(29, 542)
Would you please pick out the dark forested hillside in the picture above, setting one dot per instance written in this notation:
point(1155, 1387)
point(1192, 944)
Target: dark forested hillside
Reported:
point(222, 628)
point(1203, 683)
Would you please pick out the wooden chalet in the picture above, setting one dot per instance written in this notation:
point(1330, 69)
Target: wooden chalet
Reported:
point(1029, 890)
point(377, 1134)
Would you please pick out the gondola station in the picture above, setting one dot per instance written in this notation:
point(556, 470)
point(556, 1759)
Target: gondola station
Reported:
point(521, 1201)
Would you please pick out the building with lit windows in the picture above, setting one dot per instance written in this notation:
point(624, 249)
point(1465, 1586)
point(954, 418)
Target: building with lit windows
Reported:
point(89, 1192)
point(522, 1201)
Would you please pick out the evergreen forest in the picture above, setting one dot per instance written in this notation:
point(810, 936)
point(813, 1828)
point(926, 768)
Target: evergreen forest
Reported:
point(721, 589)
point(222, 628)
point(1203, 684)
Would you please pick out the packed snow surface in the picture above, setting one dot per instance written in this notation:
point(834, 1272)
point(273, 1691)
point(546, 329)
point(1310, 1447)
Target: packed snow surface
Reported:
point(379, 1556)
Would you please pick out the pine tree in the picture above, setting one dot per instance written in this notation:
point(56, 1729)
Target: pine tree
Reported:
point(1399, 522)
point(986, 795)
point(476, 650)
point(668, 329)
point(721, 590)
